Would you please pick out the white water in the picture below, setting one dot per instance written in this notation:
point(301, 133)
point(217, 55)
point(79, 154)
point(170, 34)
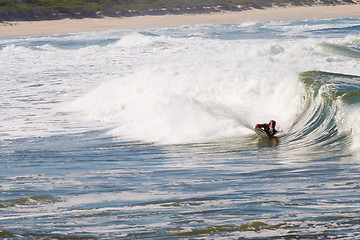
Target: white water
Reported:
point(160, 87)
point(193, 102)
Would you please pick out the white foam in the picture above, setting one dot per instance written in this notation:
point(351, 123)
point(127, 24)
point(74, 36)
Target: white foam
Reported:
point(201, 100)
point(135, 39)
point(207, 93)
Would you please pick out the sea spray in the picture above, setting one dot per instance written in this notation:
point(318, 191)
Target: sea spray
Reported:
point(182, 103)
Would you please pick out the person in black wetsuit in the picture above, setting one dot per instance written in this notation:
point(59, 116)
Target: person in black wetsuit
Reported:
point(268, 127)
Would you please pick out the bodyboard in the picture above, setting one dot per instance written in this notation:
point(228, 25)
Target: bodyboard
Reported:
point(261, 133)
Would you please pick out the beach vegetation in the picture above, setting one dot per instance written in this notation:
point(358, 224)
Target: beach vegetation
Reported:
point(57, 9)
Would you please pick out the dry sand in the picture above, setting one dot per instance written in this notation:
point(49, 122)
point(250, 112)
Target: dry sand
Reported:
point(11, 29)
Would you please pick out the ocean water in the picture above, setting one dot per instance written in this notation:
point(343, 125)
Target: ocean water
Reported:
point(148, 134)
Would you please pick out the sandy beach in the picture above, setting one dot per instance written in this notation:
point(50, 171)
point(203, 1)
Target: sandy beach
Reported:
point(12, 29)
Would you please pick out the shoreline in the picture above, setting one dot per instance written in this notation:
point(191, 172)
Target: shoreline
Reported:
point(65, 26)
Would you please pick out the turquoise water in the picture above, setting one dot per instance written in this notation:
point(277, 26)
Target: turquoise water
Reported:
point(148, 134)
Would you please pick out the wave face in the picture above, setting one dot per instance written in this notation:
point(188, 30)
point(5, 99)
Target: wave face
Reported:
point(149, 134)
point(330, 116)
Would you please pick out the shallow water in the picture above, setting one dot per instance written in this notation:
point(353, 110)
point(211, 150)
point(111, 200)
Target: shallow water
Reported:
point(148, 135)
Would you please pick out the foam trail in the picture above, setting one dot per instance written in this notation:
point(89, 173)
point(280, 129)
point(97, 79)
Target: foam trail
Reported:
point(224, 111)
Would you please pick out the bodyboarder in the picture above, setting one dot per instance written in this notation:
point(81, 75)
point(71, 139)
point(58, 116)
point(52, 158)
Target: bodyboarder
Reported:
point(269, 128)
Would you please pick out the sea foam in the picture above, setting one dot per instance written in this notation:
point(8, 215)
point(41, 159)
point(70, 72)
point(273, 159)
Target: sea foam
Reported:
point(205, 97)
